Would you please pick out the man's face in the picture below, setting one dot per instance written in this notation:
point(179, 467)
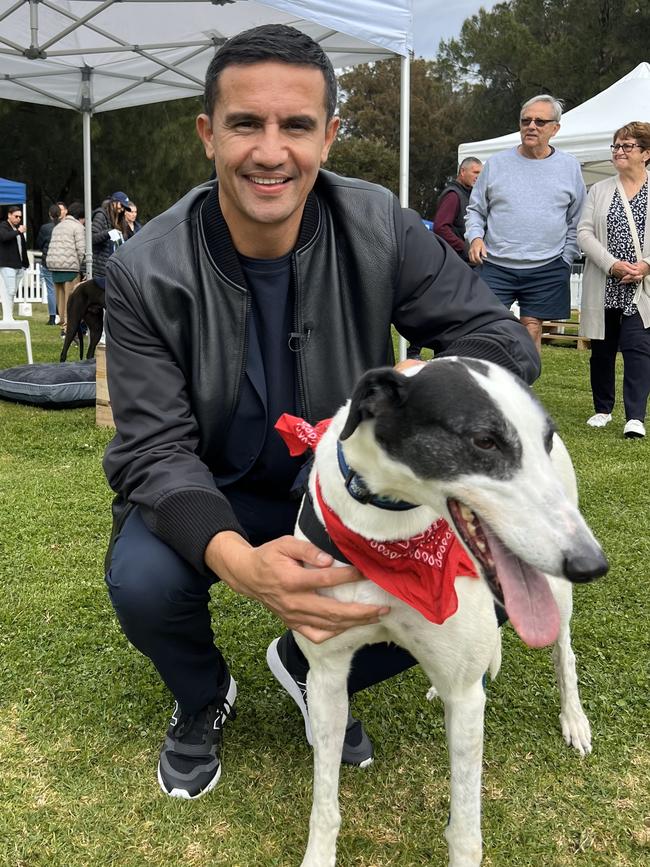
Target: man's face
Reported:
point(533, 136)
point(15, 218)
point(469, 175)
point(268, 137)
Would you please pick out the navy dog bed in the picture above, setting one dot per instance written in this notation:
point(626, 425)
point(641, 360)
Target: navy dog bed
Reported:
point(52, 386)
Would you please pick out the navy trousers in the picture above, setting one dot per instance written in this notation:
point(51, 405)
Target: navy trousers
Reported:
point(627, 334)
point(162, 605)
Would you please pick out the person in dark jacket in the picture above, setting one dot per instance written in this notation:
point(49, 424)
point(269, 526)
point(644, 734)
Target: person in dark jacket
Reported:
point(13, 254)
point(108, 231)
point(270, 290)
point(449, 220)
point(42, 243)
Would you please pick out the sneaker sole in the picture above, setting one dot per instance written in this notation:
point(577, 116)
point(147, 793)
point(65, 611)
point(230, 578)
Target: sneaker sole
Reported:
point(230, 697)
point(285, 680)
point(183, 793)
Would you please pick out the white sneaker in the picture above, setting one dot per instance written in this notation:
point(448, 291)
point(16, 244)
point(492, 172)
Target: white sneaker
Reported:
point(634, 429)
point(600, 419)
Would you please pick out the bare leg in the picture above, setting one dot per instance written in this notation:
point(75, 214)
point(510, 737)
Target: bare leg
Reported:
point(534, 327)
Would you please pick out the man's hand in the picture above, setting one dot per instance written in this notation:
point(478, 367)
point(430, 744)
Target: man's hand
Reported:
point(477, 251)
point(22, 229)
point(274, 574)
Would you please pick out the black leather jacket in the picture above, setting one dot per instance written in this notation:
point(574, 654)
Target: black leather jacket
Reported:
point(176, 326)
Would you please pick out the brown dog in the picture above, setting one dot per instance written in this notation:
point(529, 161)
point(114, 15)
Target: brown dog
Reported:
point(86, 304)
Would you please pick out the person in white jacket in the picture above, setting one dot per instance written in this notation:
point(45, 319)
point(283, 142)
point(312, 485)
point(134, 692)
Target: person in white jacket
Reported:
point(614, 233)
point(65, 257)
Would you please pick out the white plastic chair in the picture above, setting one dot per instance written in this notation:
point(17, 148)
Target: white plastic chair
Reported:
point(8, 323)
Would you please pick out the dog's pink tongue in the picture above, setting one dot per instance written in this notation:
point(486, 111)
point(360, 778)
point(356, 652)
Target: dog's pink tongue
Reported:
point(527, 595)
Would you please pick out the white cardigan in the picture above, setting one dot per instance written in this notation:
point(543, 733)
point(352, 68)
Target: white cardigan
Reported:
point(592, 238)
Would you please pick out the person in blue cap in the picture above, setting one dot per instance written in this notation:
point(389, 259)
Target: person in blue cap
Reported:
point(108, 231)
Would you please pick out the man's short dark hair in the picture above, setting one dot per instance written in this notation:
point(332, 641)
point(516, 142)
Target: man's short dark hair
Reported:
point(275, 42)
point(54, 212)
point(76, 210)
point(12, 209)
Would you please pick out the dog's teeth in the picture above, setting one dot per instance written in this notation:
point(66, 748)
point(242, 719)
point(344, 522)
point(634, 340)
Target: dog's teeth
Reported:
point(466, 513)
point(480, 544)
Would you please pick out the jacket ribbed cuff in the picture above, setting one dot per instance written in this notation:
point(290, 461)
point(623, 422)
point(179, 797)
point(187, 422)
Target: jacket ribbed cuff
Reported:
point(187, 520)
point(483, 348)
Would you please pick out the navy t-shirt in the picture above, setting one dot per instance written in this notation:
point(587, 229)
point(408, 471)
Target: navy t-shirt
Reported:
point(270, 382)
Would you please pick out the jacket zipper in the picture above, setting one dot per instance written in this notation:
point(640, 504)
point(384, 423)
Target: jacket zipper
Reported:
point(297, 327)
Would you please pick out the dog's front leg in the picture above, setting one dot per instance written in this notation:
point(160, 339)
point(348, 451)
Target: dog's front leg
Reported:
point(464, 725)
point(575, 725)
point(327, 700)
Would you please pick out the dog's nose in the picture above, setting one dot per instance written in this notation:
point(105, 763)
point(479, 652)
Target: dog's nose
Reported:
point(585, 565)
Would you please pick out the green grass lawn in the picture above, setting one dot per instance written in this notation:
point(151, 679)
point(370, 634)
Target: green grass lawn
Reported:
point(82, 714)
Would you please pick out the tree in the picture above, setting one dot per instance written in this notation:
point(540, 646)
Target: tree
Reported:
point(369, 137)
point(570, 48)
point(152, 152)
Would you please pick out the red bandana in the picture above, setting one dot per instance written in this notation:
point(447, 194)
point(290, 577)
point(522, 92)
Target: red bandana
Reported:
point(420, 571)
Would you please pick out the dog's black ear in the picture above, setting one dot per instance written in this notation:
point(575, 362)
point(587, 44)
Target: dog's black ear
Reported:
point(377, 391)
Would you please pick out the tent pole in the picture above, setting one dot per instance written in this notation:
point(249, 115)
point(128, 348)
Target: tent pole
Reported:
point(404, 130)
point(87, 194)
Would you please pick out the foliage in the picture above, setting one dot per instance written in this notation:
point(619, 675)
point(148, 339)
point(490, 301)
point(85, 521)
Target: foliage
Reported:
point(82, 715)
point(152, 152)
point(570, 48)
point(370, 125)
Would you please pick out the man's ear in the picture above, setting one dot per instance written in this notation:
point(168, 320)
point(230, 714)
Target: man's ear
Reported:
point(378, 391)
point(204, 130)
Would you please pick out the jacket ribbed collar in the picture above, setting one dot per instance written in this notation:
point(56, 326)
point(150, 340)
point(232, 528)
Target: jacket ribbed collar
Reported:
point(219, 241)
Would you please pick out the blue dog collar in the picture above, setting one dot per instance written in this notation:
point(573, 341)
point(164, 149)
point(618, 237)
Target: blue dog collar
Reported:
point(360, 492)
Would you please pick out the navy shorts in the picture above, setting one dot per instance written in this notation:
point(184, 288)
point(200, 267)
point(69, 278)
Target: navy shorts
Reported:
point(543, 292)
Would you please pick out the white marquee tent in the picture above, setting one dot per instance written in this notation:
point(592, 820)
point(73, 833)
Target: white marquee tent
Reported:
point(98, 55)
point(586, 131)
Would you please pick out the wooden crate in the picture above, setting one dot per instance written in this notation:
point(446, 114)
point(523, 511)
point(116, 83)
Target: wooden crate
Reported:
point(564, 331)
point(103, 412)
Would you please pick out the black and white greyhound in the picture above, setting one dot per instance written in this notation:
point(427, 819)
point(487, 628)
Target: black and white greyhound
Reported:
point(464, 441)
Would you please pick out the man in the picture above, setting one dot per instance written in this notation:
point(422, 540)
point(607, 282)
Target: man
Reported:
point(13, 253)
point(268, 291)
point(449, 220)
point(523, 216)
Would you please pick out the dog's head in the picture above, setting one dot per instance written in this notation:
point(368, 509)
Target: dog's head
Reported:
point(470, 440)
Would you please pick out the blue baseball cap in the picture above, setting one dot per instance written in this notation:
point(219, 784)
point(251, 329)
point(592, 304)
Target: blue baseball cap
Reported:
point(122, 198)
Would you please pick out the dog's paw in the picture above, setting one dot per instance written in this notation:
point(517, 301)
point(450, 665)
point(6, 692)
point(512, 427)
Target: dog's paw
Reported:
point(576, 731)
point(432, 693)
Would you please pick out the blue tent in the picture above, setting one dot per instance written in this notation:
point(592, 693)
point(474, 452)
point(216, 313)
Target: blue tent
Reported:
point(12, 192)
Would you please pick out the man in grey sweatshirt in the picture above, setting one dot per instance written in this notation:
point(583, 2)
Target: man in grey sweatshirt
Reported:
point(522, 219)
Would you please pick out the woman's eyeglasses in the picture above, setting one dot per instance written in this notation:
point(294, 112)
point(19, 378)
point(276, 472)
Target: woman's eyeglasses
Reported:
point(626, 147)
point(538, 121)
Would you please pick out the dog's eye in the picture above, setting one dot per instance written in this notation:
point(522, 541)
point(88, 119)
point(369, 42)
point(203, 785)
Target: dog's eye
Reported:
point(484, 443)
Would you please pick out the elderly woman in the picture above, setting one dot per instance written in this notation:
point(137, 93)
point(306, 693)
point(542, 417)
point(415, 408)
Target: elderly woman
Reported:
point(614, 233)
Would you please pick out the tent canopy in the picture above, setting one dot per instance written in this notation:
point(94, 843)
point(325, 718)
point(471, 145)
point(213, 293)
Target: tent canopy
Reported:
point(98, 55)
point(12, 192)
point(586, 131)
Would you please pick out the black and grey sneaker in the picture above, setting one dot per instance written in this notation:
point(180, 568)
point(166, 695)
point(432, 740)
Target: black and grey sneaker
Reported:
point(190, 758)
point(357, 746)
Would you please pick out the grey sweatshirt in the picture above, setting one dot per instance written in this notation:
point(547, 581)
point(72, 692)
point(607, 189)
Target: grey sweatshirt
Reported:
point(527, 211)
